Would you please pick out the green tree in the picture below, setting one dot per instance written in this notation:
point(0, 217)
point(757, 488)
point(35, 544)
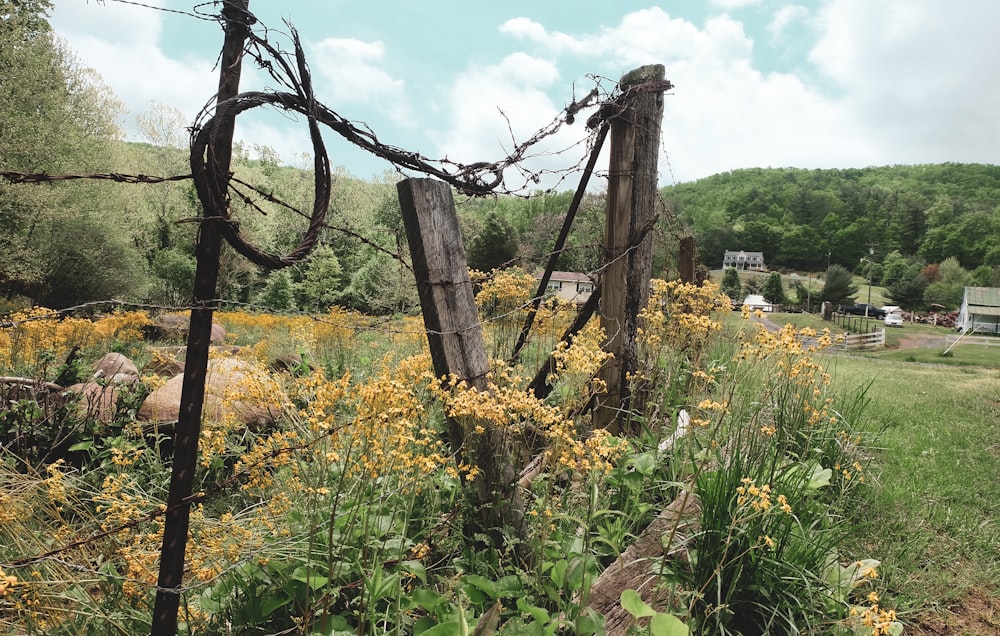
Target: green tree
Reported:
point(907, 290)
point(278, 293)
point(321, 282)
point(774, 290)
point(173, 271)
point(949, 289)
point(839, 287)
point(731, 285)
point(494, 246)
point(56, 117)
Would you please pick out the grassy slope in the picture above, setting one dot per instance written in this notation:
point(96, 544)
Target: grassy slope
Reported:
point(932, 514)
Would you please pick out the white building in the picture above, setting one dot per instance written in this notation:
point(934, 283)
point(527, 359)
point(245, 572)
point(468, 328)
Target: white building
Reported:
point(569, 286)
point(744, 261)
point(980, 312)
point(756, 301)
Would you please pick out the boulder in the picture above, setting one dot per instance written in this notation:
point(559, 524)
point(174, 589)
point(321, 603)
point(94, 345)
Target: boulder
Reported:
point(114, 368)
point(291, 363)
point(175, 327)
point(164, 363)
point(97, 401)
point(227, 379)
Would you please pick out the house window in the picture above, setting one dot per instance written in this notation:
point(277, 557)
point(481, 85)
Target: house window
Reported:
point(553, 286)
point(584, 288)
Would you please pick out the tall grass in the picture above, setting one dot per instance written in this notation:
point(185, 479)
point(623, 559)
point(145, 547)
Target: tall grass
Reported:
point(347, 516)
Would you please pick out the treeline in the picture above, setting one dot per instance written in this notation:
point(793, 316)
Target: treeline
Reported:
point(810, 219)
point(67, 243)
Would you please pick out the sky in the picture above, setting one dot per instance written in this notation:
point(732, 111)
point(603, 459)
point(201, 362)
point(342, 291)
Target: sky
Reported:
point(757, 83)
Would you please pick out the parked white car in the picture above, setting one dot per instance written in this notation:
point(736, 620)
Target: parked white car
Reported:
point(894, 319)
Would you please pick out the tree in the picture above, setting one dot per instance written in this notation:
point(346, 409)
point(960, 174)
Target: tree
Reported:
point(908, 290)
point(839, 287)
point(774, 290)
point(949, 288)
point(322, 281)
point(278, 293)
point(494, 246)
point(731, 285)
point(56, 117)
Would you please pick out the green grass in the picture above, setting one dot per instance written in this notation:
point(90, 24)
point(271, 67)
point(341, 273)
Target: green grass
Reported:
point(970, 355)
point(935, 500)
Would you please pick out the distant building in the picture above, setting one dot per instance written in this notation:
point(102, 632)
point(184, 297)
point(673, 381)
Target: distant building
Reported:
point(570, 286)
point(744, 261)
point(756, 301)
point(980, 312)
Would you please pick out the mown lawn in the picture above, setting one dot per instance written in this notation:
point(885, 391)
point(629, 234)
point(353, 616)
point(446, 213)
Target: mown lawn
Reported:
point(933, 509)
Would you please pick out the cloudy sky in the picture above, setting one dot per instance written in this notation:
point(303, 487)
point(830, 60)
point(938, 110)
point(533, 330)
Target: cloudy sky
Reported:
point(811, 84)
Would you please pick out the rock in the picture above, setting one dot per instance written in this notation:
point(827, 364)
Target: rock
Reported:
point(175, 327)
point(114, 368)
point(98, 401)
point(165, 362)
point(226, 379)
point(291, 363)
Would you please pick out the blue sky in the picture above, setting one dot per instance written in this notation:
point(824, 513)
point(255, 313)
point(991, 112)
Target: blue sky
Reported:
point(758, 83)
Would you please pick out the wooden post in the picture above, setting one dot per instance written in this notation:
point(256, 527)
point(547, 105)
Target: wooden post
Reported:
point(688, 260)
point(632, 190)
point(455, 338)
point(177, 517)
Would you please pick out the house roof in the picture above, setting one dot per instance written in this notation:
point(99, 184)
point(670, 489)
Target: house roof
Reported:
point(735, 253)
point(755, 300)
point(566, 277)
point(983, 296)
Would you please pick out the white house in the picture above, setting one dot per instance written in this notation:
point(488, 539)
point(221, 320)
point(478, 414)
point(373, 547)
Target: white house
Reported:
point(980, 312)
point(570, 286)
point(756, 301)
point(744, 261)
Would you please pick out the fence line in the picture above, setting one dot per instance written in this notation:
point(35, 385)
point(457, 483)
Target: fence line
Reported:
point(869, 340)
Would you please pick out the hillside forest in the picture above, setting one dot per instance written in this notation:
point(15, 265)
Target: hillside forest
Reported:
point(922, 231)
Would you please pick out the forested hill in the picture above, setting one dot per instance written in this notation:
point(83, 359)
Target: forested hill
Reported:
point(805, 219)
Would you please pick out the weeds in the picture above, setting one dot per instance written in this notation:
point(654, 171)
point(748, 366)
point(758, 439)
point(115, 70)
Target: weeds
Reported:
point(347, 516)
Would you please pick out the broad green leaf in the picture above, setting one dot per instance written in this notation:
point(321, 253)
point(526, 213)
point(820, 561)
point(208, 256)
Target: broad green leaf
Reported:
point(820, 477)
point(82, 446)
point(667, 625)
point(313, 580)
point(634, 605)
point(537, 613)
point(273, 603)
point(481, 583)
point(415, 568)
point(451, 628)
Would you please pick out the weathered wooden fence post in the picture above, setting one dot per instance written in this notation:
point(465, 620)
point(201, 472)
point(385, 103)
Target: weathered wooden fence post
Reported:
point(632, 190)
point(455, 338)
point(177, 517)
point(687, 266)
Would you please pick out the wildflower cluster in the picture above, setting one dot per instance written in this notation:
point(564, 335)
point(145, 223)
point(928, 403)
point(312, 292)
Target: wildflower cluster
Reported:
point(41, 333)
point(679, 314)
point(7, 583)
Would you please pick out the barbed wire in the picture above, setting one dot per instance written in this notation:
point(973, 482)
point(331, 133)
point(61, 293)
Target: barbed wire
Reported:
point(111, 304)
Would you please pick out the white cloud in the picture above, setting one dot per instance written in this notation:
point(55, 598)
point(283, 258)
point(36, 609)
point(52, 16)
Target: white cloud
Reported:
point(352, 74)
point(724, 113)
point(493, 108)
point(786, 17)
point(121, 42)
point(729, 5)
point(915, 75)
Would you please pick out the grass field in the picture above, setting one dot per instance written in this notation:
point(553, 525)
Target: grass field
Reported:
point(933, 509)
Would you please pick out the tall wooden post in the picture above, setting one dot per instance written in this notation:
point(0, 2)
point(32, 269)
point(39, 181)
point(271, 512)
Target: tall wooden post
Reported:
point(688, 261)
point(455, 339)
point(632, 194)
point(177, 517)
